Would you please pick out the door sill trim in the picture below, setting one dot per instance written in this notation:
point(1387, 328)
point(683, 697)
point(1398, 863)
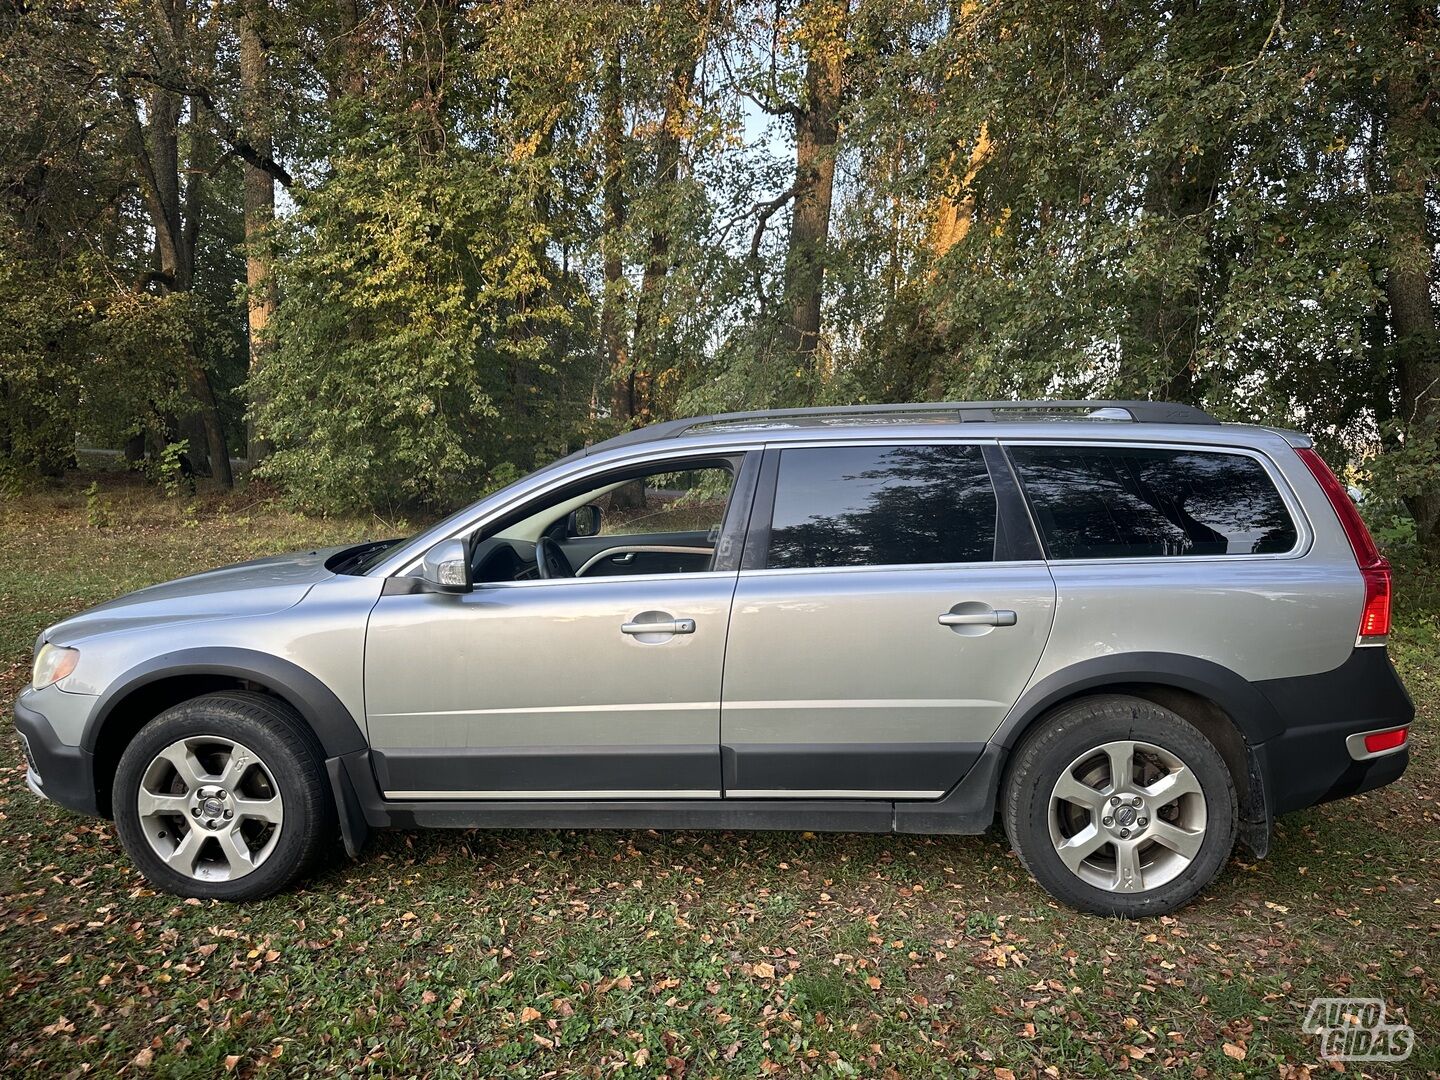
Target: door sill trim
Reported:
point(567, 794)
point(835, 793)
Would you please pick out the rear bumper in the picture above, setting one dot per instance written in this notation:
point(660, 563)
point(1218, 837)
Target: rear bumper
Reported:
point(1309, 761)
point(55, 771)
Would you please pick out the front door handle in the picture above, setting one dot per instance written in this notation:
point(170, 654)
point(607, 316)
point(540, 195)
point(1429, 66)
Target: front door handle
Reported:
point(979, 618)
point(674, 626)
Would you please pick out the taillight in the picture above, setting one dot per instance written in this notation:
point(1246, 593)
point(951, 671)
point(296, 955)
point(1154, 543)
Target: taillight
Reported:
point(1374, 567)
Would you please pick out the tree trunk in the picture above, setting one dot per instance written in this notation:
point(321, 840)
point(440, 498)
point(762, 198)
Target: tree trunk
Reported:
point(1167, 316)
point(649, 307)
point(259, 200)
point(817, 131)
point(612, 323)
point(956, 210)
point(1408, 281)
point(351, 59)
point(176, 223)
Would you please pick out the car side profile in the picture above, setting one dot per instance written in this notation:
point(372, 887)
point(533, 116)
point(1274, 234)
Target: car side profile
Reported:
point(1132, 634)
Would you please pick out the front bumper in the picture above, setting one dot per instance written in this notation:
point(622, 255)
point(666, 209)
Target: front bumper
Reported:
point(54, 770)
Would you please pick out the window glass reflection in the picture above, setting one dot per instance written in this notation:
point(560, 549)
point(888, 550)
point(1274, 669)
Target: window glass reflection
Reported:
point(882, 506)
point(1128, 502)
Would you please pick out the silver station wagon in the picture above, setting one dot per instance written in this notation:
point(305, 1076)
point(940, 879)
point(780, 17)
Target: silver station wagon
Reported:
point(1132, 634)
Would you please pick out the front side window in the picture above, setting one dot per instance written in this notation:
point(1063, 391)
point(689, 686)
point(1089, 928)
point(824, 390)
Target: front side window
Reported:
point(881, 506)
point(666, 521)
point(1108, 502)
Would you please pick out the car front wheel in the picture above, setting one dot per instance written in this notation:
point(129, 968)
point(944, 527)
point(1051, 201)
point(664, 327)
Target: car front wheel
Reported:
point(1120, 807)
point(223, 797)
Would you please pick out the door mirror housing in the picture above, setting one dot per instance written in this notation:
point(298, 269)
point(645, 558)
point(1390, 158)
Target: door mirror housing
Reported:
point(584, 521)
point(446, 567)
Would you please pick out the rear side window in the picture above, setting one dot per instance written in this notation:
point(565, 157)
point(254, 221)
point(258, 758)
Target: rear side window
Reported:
point(881, 506)
point(1103, 502)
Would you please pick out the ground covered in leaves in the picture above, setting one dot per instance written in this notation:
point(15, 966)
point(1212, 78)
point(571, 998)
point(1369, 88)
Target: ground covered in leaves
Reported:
point(695, 954)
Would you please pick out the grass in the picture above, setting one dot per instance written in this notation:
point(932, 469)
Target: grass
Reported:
point(699, 954)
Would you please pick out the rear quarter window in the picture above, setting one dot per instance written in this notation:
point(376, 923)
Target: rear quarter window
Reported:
point(1107, 502)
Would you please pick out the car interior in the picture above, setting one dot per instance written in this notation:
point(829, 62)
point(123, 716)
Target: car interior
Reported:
point(661, 522)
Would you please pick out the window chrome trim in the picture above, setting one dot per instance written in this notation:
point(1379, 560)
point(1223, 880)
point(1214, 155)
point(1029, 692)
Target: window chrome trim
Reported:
point(1304, 530)
point(897, 568)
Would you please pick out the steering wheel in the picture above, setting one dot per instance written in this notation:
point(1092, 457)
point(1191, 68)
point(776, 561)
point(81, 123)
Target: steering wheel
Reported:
point(550, 560)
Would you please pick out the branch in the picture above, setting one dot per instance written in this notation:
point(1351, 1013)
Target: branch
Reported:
point(227, 131)
point(784, 108)
point(766, 210)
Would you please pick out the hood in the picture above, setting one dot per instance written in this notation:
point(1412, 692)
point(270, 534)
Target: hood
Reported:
point(251, 588)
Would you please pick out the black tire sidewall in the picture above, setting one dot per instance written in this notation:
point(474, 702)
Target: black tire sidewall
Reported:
point(1085, 725)
point(295, 775)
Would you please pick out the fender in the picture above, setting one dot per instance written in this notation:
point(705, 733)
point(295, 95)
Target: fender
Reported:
point(317, 704)
point(1250, 709)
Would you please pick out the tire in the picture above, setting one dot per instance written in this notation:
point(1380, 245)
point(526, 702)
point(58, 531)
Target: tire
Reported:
point(243, 773)
point(1178, 835)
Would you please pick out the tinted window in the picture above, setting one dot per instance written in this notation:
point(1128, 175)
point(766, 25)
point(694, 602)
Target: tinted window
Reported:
point(881, 506)
point(1115, 503)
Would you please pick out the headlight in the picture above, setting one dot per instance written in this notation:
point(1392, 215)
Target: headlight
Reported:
point(53, 663)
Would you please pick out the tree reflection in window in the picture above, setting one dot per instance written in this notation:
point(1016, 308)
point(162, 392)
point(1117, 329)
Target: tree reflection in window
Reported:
point(1132, 502)
point(882, 506)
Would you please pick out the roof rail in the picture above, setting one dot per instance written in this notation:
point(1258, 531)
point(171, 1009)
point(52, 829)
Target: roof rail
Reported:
point(1140, 412)
point(1145, 412)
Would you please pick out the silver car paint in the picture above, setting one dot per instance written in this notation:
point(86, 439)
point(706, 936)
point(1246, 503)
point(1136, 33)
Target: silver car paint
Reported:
point(544, 663)
point(1266, 617)
point(322, 632)
point(858, 655)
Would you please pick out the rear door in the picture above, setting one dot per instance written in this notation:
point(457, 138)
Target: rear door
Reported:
point(891, 606)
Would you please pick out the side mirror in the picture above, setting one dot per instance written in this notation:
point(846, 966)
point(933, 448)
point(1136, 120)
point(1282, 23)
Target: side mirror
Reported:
point(584, 521)
point(446, 567)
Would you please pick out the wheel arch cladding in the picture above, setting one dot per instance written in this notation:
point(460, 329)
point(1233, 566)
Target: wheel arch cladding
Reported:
point(150, 688)
point(1227, 709)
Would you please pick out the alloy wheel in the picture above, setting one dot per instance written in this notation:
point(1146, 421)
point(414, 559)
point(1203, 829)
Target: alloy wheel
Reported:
point(1127, 816)
point(210, 808)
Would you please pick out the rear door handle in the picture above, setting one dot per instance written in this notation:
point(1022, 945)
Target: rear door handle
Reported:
point(979, 618)
point(674, 626)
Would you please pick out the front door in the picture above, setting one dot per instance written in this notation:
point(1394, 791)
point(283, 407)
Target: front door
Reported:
point(604, 685)
point(887, 618)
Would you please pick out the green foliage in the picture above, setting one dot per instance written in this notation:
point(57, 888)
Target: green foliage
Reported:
point(96, 515)
point(169, 469)
point(40, 373)
point(414, 361)
point(511, 228)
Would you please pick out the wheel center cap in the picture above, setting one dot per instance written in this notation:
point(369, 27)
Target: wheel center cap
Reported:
point(1125, 816)
point(212, 807)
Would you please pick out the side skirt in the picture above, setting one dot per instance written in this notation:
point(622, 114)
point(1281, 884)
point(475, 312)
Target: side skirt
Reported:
point(969, 808)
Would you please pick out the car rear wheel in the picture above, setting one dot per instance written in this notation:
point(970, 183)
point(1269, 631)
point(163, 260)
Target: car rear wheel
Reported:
point(223, 797)
point(1121, 807)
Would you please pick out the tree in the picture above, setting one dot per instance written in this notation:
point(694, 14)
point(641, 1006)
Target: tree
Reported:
point(259, 193)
